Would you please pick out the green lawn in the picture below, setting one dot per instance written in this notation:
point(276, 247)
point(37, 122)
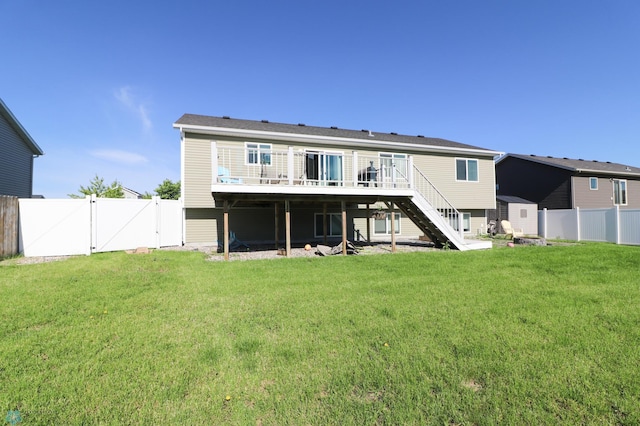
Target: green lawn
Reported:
point(526, 335)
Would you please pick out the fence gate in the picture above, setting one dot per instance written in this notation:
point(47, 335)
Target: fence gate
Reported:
point(8, 226)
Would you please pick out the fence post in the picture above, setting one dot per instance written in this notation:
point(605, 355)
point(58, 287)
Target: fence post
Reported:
point(544, 223)
point(578, 223)
point(158, 215)
point(93, 222)
point(617, 224)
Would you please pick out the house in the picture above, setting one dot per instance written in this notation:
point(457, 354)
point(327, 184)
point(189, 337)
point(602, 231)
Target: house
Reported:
point(18, 151)
point(130, 194)
point(564, 183)
point(263, 181)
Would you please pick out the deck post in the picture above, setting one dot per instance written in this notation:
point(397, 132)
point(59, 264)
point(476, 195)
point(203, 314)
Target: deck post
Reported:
point(214, 163)
point(354, 169)
point(410, 172)
point(393, 228)
point(290, 162)
point(368, 224)
point(287, 227)
point(343, 205)
point(277, 220)
point(225, 225)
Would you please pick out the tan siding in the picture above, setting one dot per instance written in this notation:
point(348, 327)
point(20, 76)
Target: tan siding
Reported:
point(197, 171)
point(441, 171)
point(201, 225)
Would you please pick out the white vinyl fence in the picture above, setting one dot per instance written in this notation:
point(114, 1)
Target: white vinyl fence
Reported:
point(56, 227)
point(614, 225)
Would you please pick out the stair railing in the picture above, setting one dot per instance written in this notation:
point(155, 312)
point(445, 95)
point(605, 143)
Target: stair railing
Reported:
point(428, 190)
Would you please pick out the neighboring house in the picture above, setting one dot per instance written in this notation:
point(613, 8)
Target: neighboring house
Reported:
point(564, 183)
point(311, 183)
point(130, 193)
point(17, 151)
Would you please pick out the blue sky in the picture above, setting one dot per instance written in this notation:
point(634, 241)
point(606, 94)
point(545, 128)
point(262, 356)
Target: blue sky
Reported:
point(98, 85)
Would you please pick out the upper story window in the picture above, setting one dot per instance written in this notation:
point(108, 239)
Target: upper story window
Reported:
point(467, 169)
point(593, 183)
point(619, 192)
point(258, 153)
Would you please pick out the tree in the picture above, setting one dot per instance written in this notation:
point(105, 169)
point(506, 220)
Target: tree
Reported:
point(168, 190)
point(97, 186)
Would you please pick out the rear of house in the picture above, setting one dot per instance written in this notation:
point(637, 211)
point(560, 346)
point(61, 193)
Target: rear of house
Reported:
point(18, 151)
point(275, 176)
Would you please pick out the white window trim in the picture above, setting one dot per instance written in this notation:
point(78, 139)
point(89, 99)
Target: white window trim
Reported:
point(466, 160)
point(591, 179)
point(626, 192)
point(322, 152)
point(259, 147)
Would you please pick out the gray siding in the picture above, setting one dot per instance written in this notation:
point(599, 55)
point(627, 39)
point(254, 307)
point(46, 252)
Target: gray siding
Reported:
point(587, 198)
point(16, 163)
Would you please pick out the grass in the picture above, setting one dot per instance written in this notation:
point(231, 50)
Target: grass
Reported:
point(531, 335)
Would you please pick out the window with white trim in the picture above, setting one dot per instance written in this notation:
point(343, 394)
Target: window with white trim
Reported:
point(334, 225)
point(593, 183)
point(467, 169)
point(383, 226)
point(258, 153)
point(619, 192)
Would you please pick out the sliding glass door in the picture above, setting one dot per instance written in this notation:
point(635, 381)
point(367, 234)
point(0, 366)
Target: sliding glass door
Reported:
point(324, 168)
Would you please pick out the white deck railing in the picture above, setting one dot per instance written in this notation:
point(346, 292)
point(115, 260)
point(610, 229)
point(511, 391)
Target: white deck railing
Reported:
point(251, 166)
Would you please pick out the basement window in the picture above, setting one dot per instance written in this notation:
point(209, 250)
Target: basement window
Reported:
point(383, 226)
point(334, 225)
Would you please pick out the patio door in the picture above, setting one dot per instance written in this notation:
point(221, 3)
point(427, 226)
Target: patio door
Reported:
point(324, 168)
point(393, 167)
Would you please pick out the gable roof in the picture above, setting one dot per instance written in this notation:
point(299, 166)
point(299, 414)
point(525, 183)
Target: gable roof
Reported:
point(15, 124)
point(216, 125)
point(513, 199)
point(579, 165)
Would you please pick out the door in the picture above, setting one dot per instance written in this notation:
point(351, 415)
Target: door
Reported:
point(324, 168)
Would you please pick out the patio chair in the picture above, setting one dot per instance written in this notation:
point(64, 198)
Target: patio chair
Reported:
point(509, 230)
point(234, 244)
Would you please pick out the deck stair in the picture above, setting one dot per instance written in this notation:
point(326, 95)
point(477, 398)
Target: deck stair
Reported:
point(433, 214)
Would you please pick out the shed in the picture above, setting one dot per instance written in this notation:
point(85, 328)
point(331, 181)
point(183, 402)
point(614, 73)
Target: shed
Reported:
point(523, 214)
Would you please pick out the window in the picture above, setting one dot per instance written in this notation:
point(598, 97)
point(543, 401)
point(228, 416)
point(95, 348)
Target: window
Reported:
point(619, 192)
point(593, 183)
point(466, 222)
point(383, 226)
point(258, 153)
point(334, 225)
point(466, 169)
point(523, 213)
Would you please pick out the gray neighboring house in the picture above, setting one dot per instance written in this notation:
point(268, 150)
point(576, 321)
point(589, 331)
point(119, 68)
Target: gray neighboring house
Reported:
point(17, 151)
point(566, 183)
